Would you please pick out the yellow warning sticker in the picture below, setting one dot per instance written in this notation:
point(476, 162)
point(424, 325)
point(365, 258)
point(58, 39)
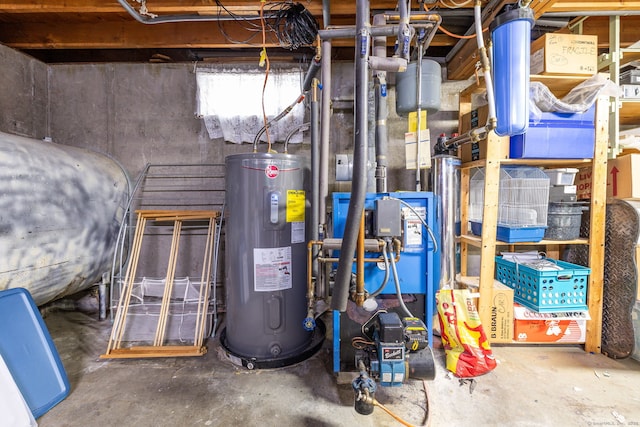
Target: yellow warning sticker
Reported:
point(295, 205)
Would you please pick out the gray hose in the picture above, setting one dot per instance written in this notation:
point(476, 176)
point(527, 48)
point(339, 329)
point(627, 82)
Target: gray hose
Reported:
point(397, 283)
point(385, 257)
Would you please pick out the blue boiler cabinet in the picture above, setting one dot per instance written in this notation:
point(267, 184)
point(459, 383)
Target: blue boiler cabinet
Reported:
point(417, 269)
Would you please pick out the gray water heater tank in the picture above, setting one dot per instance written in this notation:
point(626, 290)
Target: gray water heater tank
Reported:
point(407, 88)
point(266, 255)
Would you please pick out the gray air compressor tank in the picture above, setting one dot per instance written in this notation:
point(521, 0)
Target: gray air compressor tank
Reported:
point(266, 255)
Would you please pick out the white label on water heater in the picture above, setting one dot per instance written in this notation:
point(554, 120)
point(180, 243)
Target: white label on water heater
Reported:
point(272, 269)
point(297, 232)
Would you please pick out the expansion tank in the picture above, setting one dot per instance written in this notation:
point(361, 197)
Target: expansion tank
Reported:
point(60, 211)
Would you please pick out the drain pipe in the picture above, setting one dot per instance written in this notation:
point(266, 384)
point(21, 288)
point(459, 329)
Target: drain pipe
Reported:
point(359, 184)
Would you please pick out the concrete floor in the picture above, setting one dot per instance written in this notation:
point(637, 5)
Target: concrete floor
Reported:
point(532, 386)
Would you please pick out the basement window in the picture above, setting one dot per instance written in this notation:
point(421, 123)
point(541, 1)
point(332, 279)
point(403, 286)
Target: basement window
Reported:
point(230, 103)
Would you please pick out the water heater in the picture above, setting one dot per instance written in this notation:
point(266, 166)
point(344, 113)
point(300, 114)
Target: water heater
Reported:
point(265, 257)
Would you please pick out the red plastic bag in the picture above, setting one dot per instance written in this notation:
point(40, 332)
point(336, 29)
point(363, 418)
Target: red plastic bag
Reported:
point(467, 349)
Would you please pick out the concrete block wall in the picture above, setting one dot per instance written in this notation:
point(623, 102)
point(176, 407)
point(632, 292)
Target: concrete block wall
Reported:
point(23, 85)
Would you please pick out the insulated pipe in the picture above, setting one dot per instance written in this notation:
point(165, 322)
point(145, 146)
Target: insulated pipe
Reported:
point(325, 130)
point(382, 137)
point(312, 72)
point(349, 31)
point(382, 112)
point(359, 182)
point(404, 33)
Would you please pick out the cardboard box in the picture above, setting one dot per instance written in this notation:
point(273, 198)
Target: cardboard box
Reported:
point(623, 178)
point(566, 327)
point(501, 328)
point(555, 53)
point(478, 150)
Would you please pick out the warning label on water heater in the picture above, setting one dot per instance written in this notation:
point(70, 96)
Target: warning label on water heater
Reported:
point(271, 269)
point(295, 205)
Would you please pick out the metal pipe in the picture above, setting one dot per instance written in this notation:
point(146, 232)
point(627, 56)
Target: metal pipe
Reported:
point(486, 68)
point(445, 186)
point(326, 13)
point(358, 190)
point(360, 264)
point(315, 169)
point(301, 128)
point(325, 130)
point(178, 18)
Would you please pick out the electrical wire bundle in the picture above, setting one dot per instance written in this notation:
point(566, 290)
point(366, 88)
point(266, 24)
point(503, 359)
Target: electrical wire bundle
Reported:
point(293, 25)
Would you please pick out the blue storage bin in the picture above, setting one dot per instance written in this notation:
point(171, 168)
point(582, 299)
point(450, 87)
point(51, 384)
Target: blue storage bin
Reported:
point(546, 291)
point(512, 234)
point(29, 352)
point(557, 136)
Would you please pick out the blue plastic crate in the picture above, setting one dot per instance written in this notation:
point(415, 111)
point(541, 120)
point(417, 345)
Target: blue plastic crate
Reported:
point(557, 136)
point(29, 352)
point(546, 291)
point(512, 234)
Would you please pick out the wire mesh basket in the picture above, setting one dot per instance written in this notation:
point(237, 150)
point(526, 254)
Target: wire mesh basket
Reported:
point(523, 197)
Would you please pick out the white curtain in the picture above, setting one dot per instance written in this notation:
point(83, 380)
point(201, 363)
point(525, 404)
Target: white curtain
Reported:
point(230, 103)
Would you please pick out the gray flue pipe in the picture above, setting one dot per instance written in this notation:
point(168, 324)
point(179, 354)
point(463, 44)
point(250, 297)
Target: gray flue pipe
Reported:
point(359, 181)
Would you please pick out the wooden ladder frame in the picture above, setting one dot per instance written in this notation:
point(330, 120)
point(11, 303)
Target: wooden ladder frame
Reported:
point(158, 349)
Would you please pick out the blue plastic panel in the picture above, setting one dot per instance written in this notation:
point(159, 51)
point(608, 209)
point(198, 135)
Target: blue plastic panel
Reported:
point(415, 267)
point(557, 136)
point(512, 234)
point(29, 352)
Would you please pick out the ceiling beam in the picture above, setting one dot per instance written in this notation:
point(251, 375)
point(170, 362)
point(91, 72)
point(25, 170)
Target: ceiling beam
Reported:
point(121, 35)
point(176, 7)
point(582, 7)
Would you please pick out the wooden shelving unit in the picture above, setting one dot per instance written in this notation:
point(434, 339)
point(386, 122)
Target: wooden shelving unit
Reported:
point(488, 243)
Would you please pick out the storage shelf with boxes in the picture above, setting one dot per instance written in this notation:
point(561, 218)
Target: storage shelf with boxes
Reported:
point(494, 153)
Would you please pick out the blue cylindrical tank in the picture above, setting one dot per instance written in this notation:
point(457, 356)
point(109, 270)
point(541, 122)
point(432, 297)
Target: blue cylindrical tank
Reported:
point(266, 255)
point(511, 36)
point(60, 212)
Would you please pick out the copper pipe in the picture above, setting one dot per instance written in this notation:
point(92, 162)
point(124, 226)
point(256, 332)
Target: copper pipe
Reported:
point(360, 264)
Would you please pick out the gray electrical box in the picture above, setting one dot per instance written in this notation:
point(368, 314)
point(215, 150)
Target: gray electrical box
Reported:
point(387, 216)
